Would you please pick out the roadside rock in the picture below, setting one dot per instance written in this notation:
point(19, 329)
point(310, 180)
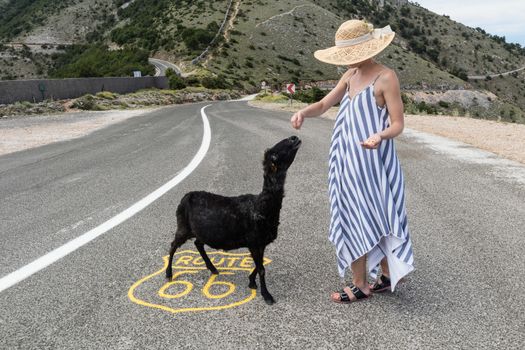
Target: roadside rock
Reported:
point(27, 108)
point(466, 98)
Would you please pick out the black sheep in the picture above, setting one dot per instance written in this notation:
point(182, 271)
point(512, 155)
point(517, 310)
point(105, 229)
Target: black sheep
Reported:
point(234, 222)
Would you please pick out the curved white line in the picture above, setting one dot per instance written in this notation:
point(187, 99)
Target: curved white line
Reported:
point(60, 252)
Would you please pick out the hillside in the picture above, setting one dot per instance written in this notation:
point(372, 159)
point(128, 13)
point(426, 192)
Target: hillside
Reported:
point(272, 41)
point(58, 22)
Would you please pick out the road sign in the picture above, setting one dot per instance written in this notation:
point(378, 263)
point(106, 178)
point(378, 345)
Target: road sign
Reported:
point(290, 88)
point(263, 84)
point(137, 74)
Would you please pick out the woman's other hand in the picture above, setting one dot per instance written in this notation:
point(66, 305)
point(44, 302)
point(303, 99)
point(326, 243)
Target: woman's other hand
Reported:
point(297, 120)
point(372, 142)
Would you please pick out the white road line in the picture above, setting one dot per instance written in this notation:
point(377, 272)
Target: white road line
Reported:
point(60, 252)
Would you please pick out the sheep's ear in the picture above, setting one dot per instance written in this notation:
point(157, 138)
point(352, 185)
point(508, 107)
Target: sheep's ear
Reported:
point(266, 154)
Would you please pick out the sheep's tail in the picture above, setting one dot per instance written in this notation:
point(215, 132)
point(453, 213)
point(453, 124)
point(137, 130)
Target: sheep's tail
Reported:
point(183, 220)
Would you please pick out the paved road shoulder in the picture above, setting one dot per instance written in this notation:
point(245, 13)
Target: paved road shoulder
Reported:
point(20, 133)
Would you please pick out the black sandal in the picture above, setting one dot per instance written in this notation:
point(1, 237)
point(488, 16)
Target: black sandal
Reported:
point(382, 284)
point(345, 299)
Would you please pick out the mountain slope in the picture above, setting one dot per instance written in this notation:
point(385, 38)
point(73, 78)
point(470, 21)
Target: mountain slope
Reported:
point(274, 40)
point(49, 21)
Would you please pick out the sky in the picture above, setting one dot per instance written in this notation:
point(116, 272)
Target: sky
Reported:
point(500, 17)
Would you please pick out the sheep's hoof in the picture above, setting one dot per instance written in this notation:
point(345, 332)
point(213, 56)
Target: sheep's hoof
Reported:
point(269, 300)
point(214, 272)
point(168, 275)
point(252, 285)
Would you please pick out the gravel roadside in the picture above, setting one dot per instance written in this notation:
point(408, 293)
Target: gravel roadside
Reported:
point(23, 132)
point(504, 139)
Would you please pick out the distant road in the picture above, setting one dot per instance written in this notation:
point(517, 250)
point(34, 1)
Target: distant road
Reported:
point(480, 77)
point(161, 67)
point(36, 44)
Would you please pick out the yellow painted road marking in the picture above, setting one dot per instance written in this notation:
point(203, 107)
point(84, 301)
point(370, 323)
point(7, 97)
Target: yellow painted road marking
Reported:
point(211, 282)
point(189, 286)
point(188, 262)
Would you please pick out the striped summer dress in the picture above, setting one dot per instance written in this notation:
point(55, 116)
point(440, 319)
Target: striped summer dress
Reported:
point(366, 186)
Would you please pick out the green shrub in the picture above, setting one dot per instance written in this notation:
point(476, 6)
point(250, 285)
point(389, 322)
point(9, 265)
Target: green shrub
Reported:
point(170, 72)
point(443, 104)
point(106, 95)
point(197, 38)
point(83, 61)
point(310, 96)
point(218, 82)
point(192, 81)
point(87, 103)
point(292, 60)
point(279, 98)
point(459, 72)
point(176, 82)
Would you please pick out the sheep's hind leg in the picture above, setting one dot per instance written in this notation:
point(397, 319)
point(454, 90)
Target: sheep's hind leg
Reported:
point(258, 258)
point(209, 264)
point(253, 284)
point(177, 242)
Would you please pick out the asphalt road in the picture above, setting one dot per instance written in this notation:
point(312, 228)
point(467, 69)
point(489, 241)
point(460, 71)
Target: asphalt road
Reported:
point(162, 66)
point(467, 228)
point(479, 77)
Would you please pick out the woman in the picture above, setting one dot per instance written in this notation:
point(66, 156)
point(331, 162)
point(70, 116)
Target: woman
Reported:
point(366, 184)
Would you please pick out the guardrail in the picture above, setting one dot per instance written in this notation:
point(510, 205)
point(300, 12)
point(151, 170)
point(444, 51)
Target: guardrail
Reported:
point(38, 90)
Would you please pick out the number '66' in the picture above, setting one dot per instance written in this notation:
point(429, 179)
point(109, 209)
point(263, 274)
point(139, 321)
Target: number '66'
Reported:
point(188, 286)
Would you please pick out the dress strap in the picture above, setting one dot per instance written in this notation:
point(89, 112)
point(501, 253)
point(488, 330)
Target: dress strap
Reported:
point(376, 78)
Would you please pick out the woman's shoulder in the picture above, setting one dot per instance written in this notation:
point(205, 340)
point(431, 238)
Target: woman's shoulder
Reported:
point(388, 76)
point(387, 72)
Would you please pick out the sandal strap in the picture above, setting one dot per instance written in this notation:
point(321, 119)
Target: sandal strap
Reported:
point(344, 297)
point(358, 293)
point(381, 283)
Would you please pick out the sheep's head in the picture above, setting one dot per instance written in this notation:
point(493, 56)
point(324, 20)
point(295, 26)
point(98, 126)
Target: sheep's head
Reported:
point(279, 158)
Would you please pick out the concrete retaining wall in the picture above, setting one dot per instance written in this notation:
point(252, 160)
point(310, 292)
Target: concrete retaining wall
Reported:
point(42, 89)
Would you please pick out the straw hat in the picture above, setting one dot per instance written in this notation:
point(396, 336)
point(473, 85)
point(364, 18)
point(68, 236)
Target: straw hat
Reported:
point(356, 41)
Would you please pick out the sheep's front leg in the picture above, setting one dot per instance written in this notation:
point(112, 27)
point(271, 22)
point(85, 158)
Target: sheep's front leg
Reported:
point(258, 258)
point(209, 264)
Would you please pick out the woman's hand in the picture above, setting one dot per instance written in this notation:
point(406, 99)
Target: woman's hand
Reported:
point(372, 142)
point(297, 120)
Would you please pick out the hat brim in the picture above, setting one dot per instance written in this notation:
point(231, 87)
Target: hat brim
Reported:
point(354, 54)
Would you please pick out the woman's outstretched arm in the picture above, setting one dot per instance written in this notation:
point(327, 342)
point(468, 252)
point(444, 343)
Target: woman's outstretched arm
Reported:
point(318, 108)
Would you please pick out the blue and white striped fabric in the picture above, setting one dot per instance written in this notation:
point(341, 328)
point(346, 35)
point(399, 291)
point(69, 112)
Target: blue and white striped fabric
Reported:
point(367, 197)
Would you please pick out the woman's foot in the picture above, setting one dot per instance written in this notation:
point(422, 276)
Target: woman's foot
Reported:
point(381, 285)
point(351, 294)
